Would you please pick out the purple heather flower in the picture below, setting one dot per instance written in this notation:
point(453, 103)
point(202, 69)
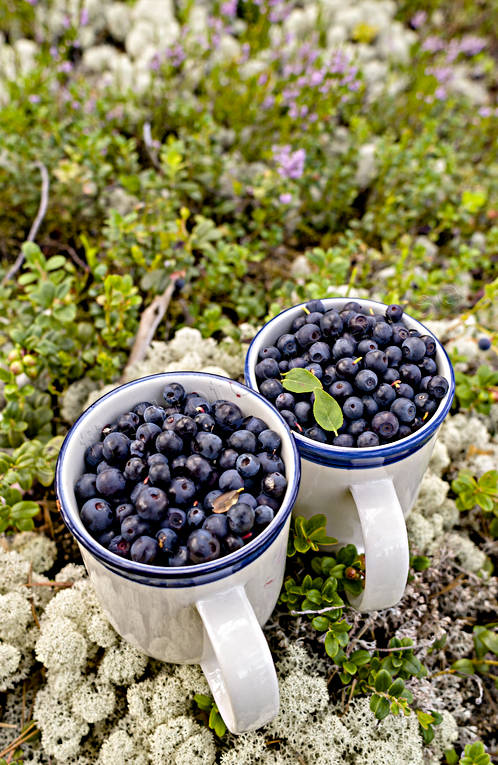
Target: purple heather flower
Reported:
point(34, 99)
point(229, 8)
point(66, 21)
point(418, 18)
point(440, 93)
point(84, 18)
point(285, 198)
point(66, 67)
point(291, 164)
point(433, 44)
point(484, 111)
point(471, 45)
point(268, 102)
point(441, 73)
point(32, 2)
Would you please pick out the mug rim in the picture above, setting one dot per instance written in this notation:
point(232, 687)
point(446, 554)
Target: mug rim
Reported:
point(133, 569)
point(344, 455)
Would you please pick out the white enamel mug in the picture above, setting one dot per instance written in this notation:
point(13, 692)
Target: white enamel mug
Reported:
point(364, 493)
point(208, 614)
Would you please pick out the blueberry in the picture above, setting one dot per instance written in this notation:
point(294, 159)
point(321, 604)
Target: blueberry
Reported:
point(248, 465)
point(148, 432)
point(346, 367)
point(144, 550)
point(171, 420)
point(425, 403)
point(96, 515)
point(210, 498)
point(155, 414)
point(263, 515)
point(265, 499)
point(195, 517)
point(195, 404)
point(227, 459)
point(331, 324)
point(123, 510)
point(270, 462)
point(343, 347)
point(204, 422)
point(319, 352)
point(385, 424)
point(484, 344)
point(308, 334)
point(367, 439)
point(169, 443)
point(208, 445)
point(135, 492)
point(180, 558)
point(177, 466)
point(274, 484)
point(159, 474)
point(394, 312)
point(283, 366)
point(343, 439)
point(285, 400)
point(248, 499)
point(437, 386)
point(128, 423)
point(85, 487)
point(298, 362)
point(232, 543)
point(424, 382)
point(106, 538)
point(133, 526)
point(181, 491)
point(119, 546)
point(404, 430)
point(175, 519)
point(110, 483)
point(376, 361)
point(240, 518)
point(286, 344)
point(384, 395)
point(173, 394)
point(414, 333)
point(403, 390)
point(314, 317)
point(355, 427)
point(400, 333)
point(430, 345)
point(358, 324)
point(391, 375)
point(302, 412)
point(242, 441)
point(185, 427)
point(404, 409)
point(315, 369)
point(428, 366)
point(269, 440)
point(382, 333)
point(135, 469)
point(217, 524)
point(329, 375)
point(394, 355)
point(116, 448)
point(353, 408)
point(151, 504)
point(366, 380)
point(370, 406)
point(140, 408)
point(315, 306)
point(137, 448)
point(298, 322)
point(103, 466)
point(270, 352)
point(410, 374)
point(271, 389)
point(228, 415)
point(267, 369)
point(230, 480)
point(202, 546)
point(413, 349)
point(364, 346)
point(93, 455)
point(254, 424)
point(341, 389)
point(199, 469)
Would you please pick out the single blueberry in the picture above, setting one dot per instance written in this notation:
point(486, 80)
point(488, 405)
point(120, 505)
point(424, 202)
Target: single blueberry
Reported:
point(93, 455)
point(341, 389)
point(484, 344)
point(299, 362)
point(430, 345)
point(119, 546)
point(175, 519)
point(155, 414)
point(180, 558)
point(394, 355)
point(267, 369)
point(286, 345)
point(270, 462)
point(217, 524)
point(137, 448)
point(159, 474)
point(195, 404)
point(86, 487)
point(151, 504)
point(285, 400)
point(128, 423)
point(353, 408)
point(173, 394)
point(185, 427)
point(263, 515)
point(437, 386)
point(394, 312)
point(269, 352)
point(96, 515)
point(144, 550)
point(302, 411)
point(248, 465)
point(210, 498)
point(269, 440)
point(254, 424)
point(232, 543)
point(404, 409)
point(364, 346)
point(208, 445)
point(133, 526)
point(110, 483)
point(230, 480)
point(177, 466)
point(343, 346)
point(370, 406)
point(347, 367)
point(169, 443)
point(116, 448)
point(195, 517)
point(343, 439)
point(147, 432)
point(315, 369)
point(411, 374)
point(384, 395)
point(413, 349)
point(274, 484)
point(376, 361)
point(331, 324)
point(315, 306)
point(385, 424)
point(181, 491)
point(202, 546)
point(367, 439)
point(135, 469)
point(240, 518)
point(319, 352)
point(403, 390)
point(242, 441)
point(228, 415)
point(366, 380)
point(356, 427)
point(140, 408)
point(428, 366)
point(123, 510)
point(308, 334)
point(400, 333)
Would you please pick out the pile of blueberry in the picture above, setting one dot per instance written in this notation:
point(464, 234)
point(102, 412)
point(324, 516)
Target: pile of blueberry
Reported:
point(182, 483)
point(383, 375)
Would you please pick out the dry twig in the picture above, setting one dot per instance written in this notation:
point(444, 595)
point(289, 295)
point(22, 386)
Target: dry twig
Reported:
point(42, 209)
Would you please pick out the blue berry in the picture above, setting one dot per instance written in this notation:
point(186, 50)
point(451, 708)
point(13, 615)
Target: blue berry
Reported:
point(147, 432)
point(382, 333)
point(199, 468)
point(180, 558)
point(269, 440)
point(204, 422)
point(298, 362)
point(370, 406)
point(319, 353)
point(227, 459)
point(159, 474)
point(128, 423)
point(255, 424)
point(185, 427)
point(240, 518)
point(167, 540)
point(151, 504)
point(413, 349)
point(315, 306)
point(228, 415)
point(217, 524)
point(155, 414)
point(484, 343)
point(274, 484)
point(181, 491)
point(376, 361)
point(404, 409)
point(171, 420)
point(177, 465)
point(140, 408)
point(173, 394)
point(283, 366)
point(230, 480)
point(285, 400)
point(133, 526)
point(437, 386)
point(119, 546)
point(135, 469)
point(208, 445)
point(341, 389)
point(271, 389)
point(428, 366)
point(385, 424)
point(353, 408)
point(123, 510)
point(263, 515)
point(248, 465)
point(195, 404)
point(366, 380)
point(175, 519)
point(343, 347)
point(144, 550)
point(242, 441)
point(364, 346)
point(169, 443)
point(430, 345)
point(137, 448)
point(302, 412)
point(232, 543)
point(358, 325)
point(298, 322)
point(314, 318)
point(343, 439)
point(394, 355)
point(116, 448)
point(286, 344)
point(270, 462)
point(270, 352)
point(394, 312)
point(331, 324)
point(202, 546)
point(267, 369)
point(384, 395)
point(110, 483)
point(195, 517)
point(367, 439)
point(94, 454)
point(410, 374)
point(85, 487)
point(248, 499)
point(403, 390)
point(400, 333)
point(96, 515)
point(308, 334)
point(347, 367)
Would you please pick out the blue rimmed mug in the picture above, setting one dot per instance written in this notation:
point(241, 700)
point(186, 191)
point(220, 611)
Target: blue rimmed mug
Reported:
point(208, 614)
point(366, 494)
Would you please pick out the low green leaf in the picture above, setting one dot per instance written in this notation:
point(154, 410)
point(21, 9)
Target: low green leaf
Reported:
point(320, 623)
point(383, 680)
point(55, 262)
point(300, 380)
point(420, 562)
point(349, 667)
point(397, 687)
point(485, 502)
point(360, 657)
point(451, 757)
point(424, 718)
point(315, 597)
point(490, 640)
point(489, 481)
point(25, 509)
point(412, 665)
point(464, 666)
point(327, 411)
point(331, 644)
point(379, 706)
point(203, 701)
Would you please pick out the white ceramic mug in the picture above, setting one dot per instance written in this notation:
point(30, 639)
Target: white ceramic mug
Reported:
point(365, 493)
point(209, 613)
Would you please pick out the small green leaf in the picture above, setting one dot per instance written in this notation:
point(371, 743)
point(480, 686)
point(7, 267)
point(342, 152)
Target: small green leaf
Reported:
point(489, 481)
point(383, 680)
point(327, 411)
point(412, 665)
point(360, 657)
point(451, 757)
point(320, 623)
point(349, 667)
point(424, 718)
point(485, 502)
point(379, 706)
point(397, 687)
point(203, 701)
point(420, 562)
point(331, 644)
point(490, 640)
point(299, 380)
point(464, 666)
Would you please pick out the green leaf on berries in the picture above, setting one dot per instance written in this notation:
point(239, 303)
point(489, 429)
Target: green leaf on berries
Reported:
point(327, 411)
point(299, 380)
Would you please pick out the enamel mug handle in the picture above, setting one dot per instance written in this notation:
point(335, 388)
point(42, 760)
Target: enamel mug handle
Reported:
point(237, 662)
point(386, 545)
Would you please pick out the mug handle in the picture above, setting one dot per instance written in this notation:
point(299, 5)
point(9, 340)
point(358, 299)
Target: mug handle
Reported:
point(386, 545)
point(237, 661)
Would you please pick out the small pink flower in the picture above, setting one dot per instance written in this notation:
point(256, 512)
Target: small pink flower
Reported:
point(285, 198)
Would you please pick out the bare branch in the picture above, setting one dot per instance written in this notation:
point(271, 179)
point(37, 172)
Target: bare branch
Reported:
point(42, 209)
point(149, 145)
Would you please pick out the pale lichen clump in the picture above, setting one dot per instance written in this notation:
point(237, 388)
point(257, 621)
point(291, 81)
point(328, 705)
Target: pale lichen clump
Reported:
point(37, 549)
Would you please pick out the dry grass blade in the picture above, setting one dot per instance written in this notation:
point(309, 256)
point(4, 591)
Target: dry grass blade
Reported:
point(225, 501)
point(30, 731)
